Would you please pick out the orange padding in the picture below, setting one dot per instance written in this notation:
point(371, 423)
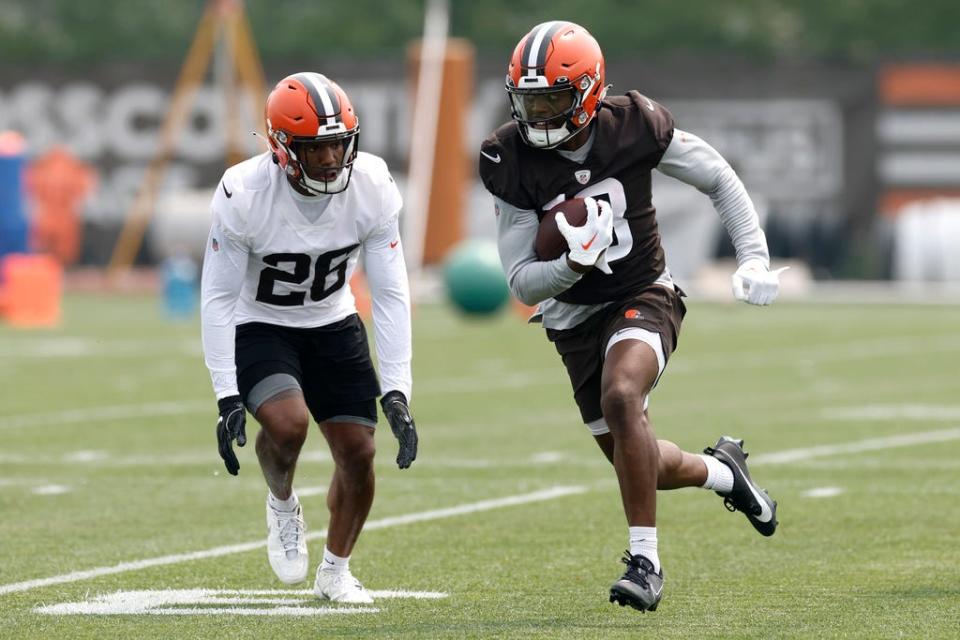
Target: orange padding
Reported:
point(920, 85)
point(32, 287)
point(893, 201)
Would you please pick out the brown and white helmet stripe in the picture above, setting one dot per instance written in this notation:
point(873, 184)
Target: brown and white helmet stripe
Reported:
point(325, 101)
point(535, 50)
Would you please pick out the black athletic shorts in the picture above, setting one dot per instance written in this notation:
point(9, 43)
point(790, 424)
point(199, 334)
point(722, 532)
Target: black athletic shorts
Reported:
point(331, 364)
point(656, 308)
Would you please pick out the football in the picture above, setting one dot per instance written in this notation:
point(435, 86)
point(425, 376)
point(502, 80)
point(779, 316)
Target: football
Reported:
point(550, 243)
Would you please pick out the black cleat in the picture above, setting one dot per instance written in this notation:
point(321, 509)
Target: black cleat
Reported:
point(746, 497)
point(639, 587)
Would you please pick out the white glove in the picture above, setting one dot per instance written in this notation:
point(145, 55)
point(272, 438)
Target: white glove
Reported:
point(754, 284)
point(588, 243)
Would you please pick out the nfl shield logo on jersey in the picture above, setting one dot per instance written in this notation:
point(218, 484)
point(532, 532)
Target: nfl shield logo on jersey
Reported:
point(582, 176)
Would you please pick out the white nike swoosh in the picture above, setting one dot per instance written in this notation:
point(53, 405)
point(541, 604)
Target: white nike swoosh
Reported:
point(491, 158)
point(649, 105)
point(765, 514)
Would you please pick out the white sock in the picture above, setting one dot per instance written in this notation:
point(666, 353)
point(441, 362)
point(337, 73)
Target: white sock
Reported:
point(643, 541)
point(334, 563)
point(290, 504)
point(719, 475)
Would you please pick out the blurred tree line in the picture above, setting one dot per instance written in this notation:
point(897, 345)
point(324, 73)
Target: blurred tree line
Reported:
point(67, 32)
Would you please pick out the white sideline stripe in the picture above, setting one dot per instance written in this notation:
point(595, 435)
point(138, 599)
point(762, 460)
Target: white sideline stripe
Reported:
point(85, 608)
point(790, 357)
point(51, 490)
point(115, 412)
point(87, 348)
point(241, 611)
point(483, 381)
point(383, 523)
point(894, 412)
point(822, 492)
point(198, 407)
point(176, 601)
point(872, 444)
point(547, 457)
point(416, 595)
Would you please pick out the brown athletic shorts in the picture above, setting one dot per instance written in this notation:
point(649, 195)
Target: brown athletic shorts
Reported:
point(656, 308)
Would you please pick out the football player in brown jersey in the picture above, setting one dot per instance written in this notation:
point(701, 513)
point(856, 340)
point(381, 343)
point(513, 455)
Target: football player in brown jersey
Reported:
point(610, 305)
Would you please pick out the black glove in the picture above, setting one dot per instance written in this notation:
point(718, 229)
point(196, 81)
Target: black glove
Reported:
point(395, 407)
point(231, 425)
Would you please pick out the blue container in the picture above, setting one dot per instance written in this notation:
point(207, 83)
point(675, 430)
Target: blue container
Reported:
point(180, 280)
point(13, 222)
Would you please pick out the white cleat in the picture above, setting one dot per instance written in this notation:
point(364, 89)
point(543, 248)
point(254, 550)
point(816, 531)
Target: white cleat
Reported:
point(340, 587)
point(287, 544)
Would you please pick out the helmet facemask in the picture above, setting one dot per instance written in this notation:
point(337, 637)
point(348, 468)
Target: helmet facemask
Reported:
point(549, 116)
point(295, 167)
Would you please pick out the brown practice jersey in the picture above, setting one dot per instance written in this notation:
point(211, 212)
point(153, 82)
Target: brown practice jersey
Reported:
point(631, 133)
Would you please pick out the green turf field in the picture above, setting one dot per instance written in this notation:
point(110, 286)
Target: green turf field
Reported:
point(110, 480)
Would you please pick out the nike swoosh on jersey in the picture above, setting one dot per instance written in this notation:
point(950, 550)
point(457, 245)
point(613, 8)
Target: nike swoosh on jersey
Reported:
point(586, 245)
point(495, 159)
point(765, 513)
point(394, 244)
point(229, 195)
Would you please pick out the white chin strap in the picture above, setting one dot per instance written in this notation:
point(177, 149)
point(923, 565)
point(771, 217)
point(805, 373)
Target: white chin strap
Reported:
point(338, 184)
point(321, 187)
point(548, 138)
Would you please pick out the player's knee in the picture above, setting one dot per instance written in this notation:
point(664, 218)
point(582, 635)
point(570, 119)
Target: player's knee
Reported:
point(358, 458)
point(287, 427)
point(293, 435)
point(621, 401)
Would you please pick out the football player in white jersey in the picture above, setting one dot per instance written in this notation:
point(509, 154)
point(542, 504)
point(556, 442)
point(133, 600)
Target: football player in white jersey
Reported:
point(281, 335)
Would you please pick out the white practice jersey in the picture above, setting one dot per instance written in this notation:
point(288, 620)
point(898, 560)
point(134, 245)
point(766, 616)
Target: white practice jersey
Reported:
point(278, 257)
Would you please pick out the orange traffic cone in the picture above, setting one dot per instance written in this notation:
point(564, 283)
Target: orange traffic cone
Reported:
point(32, 288)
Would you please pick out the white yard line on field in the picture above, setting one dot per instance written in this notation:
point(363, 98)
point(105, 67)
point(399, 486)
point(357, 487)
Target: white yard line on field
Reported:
point(782, 457)
point(95, 349)
point(115, 412)
point(507, 378)
point(51, 490)
point(486, 381)
point(383, 523)
point(287, 602)
point(790, 357)
point(871, 412)
point(860, 446)
point(186, 407)
point(822, 492)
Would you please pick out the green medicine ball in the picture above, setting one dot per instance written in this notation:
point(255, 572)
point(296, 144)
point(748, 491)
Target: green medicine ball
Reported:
point(474, 278)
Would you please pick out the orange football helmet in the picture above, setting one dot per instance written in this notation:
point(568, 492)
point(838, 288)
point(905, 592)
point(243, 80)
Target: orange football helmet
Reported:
point(309, 107)
point(555, 82)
